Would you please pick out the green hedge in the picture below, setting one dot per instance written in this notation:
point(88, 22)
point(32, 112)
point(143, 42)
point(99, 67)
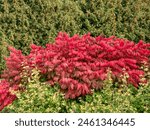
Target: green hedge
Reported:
point(124, 18)
point(38, 21)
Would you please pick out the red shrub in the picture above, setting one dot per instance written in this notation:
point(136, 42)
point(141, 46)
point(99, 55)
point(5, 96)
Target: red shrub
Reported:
point(79, 64)
point(6, 97)
point(14, 66)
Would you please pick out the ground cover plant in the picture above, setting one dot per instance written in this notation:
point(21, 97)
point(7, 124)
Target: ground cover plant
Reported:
point(72, 70)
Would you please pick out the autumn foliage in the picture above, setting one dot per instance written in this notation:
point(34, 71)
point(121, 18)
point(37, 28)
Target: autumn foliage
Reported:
point(5, 95)
point(77, 64)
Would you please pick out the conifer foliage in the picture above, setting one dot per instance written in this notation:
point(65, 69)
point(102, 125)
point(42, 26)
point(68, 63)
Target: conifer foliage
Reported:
point(77, 64)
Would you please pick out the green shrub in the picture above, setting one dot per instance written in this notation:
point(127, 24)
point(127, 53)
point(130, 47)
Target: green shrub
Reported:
point(36, 97)
point(39, 21)
point(142, 99)
point(3, 50)
point(40, 97)
point(128, 19)
point(26, 21)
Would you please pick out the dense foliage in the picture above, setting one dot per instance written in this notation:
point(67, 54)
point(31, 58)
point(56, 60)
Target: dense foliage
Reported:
point(40, 97)
point(38, 21)
point(78, 64)
point(101, 71)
